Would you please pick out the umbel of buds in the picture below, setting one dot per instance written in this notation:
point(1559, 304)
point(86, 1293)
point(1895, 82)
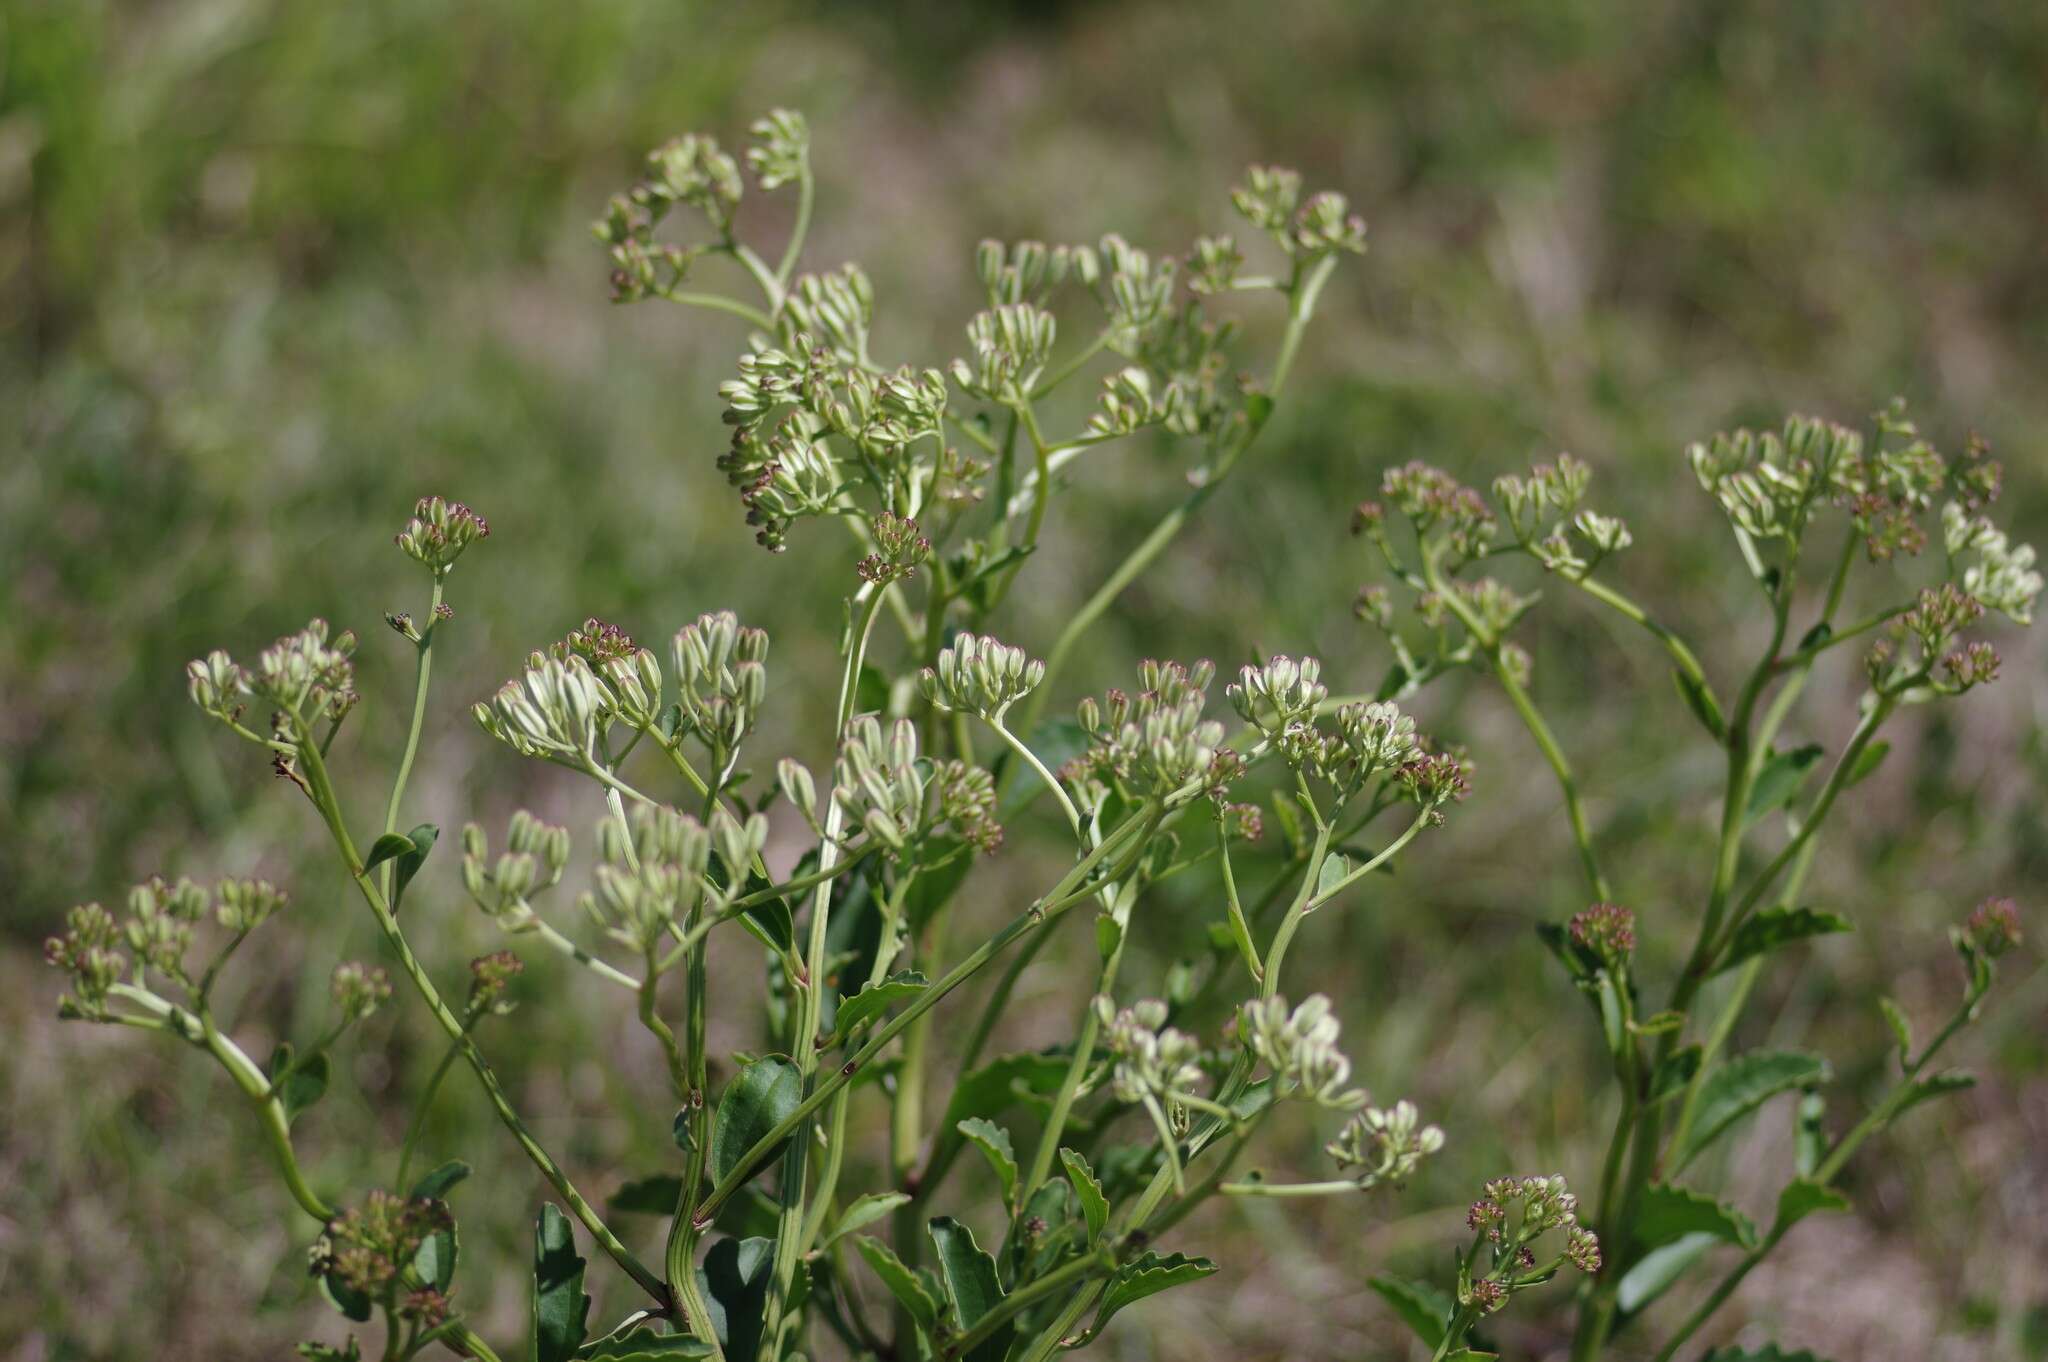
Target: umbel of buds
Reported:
point(1301, 1049)
point(1152, 1059)
point(439, 531)
point(1280, 693)
point(1507, 1223)
point(979, 675)
point(1386, 1146)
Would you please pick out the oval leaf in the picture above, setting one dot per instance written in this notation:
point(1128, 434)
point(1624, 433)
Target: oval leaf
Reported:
point(1671, 1213)
point(1148, 1275)
point(1780, 779)
point(1775, 927)
point(969, 1274)
point(754, 1103)
point(994, 1143)
point(560, 1308)
point(866, 1211)
point(422, 838)
point(1087, 1191)
point(903, 1284)
point(303, 1084)
point(384, 848)
point(1658, 1269)
point(437, 1183)
point(736, 1275)
point(872, 1001)
point(658, 1194)
point(1740, 1086)
point(1803, 1197)
point(1421, 1306)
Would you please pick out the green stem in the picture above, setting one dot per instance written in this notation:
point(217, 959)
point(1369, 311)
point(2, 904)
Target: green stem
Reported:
point(417, 1126)
point(806, 191)
point(421, 675)
point(1062, 897)
point(810, 1006)
point(324, 799)
point(1079, 1269)
point(718, 303)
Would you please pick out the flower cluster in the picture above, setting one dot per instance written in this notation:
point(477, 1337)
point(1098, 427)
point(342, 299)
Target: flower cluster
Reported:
point(367, 1250)
point(647, 882)
point(1153, 1060)
point(1270, 199)
point(536, 855)
point(1156, 742)
point(879, 784)
point(1283, 692)
point(439, 531)
point(302, 677)
point(1606, 929)
point(1300, 1047)
point(1507, 1221)
point(979, 675)
point(1386, 1146)
point(359, 989)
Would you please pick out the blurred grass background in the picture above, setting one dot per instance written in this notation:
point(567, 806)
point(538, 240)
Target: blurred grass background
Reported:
point(268, 272)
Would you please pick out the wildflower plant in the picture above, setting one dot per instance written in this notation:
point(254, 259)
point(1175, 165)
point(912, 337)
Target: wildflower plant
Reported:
point(782, 1239)
point(1805, 506)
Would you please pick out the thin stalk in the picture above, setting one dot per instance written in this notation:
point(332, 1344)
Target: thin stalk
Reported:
point(1301, 302)
point(417, 1126)
point(719, 303)
point(324, 799)
point(810, 1006)
point(255, 1086)
point(1097, 1264)
point(422, 673)
point(1062, 897)
point(806, 191)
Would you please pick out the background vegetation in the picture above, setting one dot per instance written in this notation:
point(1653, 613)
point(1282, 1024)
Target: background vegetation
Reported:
point(268, 272)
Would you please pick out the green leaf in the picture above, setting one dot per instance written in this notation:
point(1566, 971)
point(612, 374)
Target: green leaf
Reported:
point(1109, 934)
point(1775, 927)
point(1768, 1353)
point(385, 847)
point(994, 1143)
point(1422, 1307)
point(437, 1183)
point(644, 1345)
point(1670, 1213)
point(866, 1210)
point(758, 1098)
point(872, 1001)
point(1902, 1030)
point(1659, 1269)
point(435, 1259)
point(1700, 701)
point(303, 1084)
point(353, 1304)
point(560, 1307)
point(656, 1194)
point(1333, 871)
point(871, 692)
point(1087, 1191)
point(969, 1274)
point(1148, 1275)
point(1737, 1088)
point(904, 1285)
point(1001, 1083)
point(1056, 742)
point(1933, 1086)
point(683, 1129)
point(1802, 1197)
point(1674, 1071)
point(1780, 779)
point(1867, 762)
point(422, 838)
point(736, 1275)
